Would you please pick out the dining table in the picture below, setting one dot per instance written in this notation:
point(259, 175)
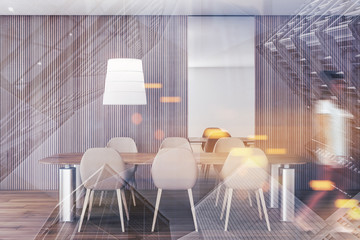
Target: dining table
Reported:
point(248, 141)
point(70, 182)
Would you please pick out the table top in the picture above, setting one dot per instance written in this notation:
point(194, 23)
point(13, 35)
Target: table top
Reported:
point(196, 139)
point(247, 141)
point(147, 158)
point(202, 139)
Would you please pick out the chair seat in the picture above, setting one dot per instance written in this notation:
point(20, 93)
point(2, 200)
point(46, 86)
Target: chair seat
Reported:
point(106, 184)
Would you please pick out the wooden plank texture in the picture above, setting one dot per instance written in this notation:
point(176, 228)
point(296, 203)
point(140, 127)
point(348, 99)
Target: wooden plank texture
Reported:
point(22, 214)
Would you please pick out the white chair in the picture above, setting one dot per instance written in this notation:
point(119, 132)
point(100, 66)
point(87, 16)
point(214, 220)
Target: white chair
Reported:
point(175, 142)
point(245, 168)
point(225, 145)
point(174, 169)
point(210, 143)
point(102, 169)
point(125, 145)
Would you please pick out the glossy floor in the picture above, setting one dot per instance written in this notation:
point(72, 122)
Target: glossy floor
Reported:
point(25, 215)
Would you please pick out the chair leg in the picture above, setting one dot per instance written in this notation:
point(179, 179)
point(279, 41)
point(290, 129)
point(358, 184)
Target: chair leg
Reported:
point(202, 167)
point(118, 193)
point(258, 203)
point(91, 203)
point(250, 202)
point(113, 198)
point(224, 203)
point(192, 208)
point(125, 204)
point(228, 208)
point(217, 195)
point(261, 193)
point(101, 197)
point(133, 196)
point(134, 181)
point(207, 171)
point(156, 208)
point(86, 200)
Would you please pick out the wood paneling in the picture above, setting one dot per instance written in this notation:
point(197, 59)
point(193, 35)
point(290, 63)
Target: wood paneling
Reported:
point(52, 72)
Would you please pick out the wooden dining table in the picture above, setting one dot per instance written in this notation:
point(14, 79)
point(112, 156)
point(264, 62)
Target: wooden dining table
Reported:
point(72, 159)
point(71, 162)
point(248, 141)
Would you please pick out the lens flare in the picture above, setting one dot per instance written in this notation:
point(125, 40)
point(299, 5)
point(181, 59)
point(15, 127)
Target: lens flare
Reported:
point(153, 85)
point(354, 213)
point(170, 99)
point(136, 118)
point(251, 159)
point(274, 151)
point(244, 152)
point(346, 203)
point(258, 137)
point(159, 134)
point(322, 185)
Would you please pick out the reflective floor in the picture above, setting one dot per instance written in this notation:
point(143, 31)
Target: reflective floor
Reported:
point(175, 219)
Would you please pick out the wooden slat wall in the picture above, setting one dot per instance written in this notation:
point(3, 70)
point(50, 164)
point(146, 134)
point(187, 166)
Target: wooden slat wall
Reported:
point(285, 118)
point(52, 72)
point(280, 115)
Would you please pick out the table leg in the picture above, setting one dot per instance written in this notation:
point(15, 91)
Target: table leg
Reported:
point(66, 194)
point(274, 186)
point(288, 197)
point(79, 189)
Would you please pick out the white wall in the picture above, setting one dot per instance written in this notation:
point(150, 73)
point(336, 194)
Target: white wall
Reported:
point(221, 74)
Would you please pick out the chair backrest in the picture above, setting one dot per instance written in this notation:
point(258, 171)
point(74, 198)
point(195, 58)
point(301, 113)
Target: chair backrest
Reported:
point(102, 168)
point(227, 144)
point(206, 134)
point(174, 169)
point(123, 145)
point(213, 138)
point(175, 142)
point(245, 168)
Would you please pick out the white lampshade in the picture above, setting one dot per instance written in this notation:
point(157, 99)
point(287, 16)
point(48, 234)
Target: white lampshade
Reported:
point(124, 83)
